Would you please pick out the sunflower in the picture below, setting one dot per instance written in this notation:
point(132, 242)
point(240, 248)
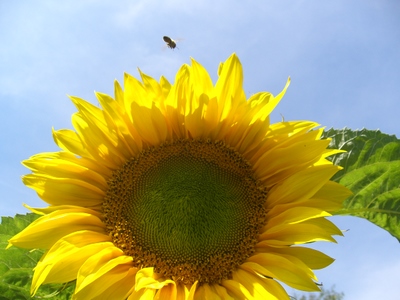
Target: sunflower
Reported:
point(183, 191)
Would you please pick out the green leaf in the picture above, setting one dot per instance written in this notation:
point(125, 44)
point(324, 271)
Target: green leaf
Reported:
point(371, 170)
point(16, 265)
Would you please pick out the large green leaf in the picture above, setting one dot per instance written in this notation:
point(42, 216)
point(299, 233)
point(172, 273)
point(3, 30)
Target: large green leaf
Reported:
point(16, 265)
point(372, 172)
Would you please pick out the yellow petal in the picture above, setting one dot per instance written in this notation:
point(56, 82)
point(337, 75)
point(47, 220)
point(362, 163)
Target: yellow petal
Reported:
point(332, 192)
point(236, 289)
point(200, 79)
point(48, 229)
point(167, 292)
point(258, 103)
point(268, 103)
point(260, 288)
point(326, 225)
point(101, 271)
point(126, 132)
point(229, 87)
point(146, 278)
point(69, 140)
point(119, 290)
point(312, 258)
point(143, 294)
point(165, 87)
point(279, 160)
point(98, 144)
point(289, 270)
point(62, 262)
point(283, 134)
point(300, 185)
point(277, 220)
point(134, 92)
point(205, 292)
point(195, 122)
point(175, 105)
point(59, 191)
point(67, 157)
point(96, 118)
point(63, 168)
point(150, 123)
point(105, 284)
point(295, 234)
point(153, 89)
point(49, 209)
point(222, 292)
point(192, 291)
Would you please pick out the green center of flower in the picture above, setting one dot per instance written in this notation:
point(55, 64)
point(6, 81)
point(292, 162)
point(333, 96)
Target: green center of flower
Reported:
point(191, 209)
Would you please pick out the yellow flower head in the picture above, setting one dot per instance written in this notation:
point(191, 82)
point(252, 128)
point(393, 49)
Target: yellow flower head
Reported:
point(183, 191)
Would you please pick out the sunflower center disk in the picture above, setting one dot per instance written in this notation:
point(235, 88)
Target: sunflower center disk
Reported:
point(191, 209)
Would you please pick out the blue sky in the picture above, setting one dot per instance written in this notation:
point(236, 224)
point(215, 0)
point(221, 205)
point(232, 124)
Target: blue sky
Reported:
point(343, 57)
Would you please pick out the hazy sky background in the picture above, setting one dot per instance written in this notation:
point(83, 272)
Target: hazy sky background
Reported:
point(343, 57)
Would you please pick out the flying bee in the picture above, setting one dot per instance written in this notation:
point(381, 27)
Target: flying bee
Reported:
point(170, 42)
